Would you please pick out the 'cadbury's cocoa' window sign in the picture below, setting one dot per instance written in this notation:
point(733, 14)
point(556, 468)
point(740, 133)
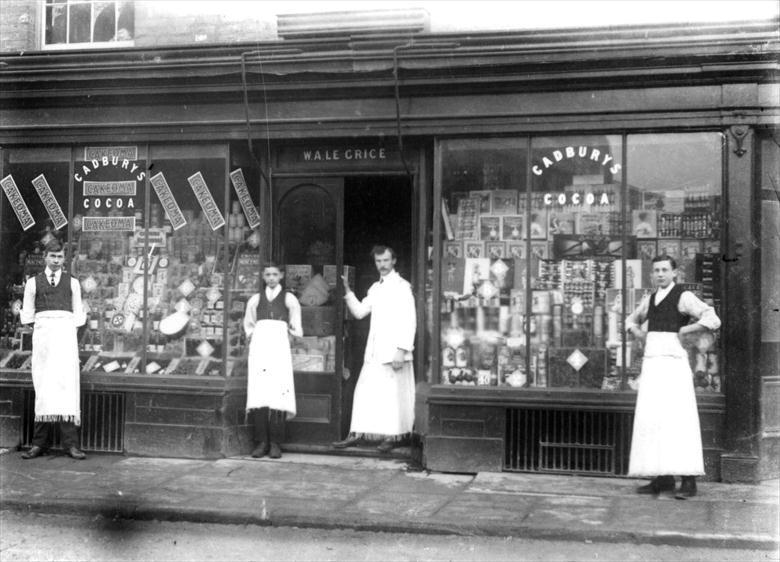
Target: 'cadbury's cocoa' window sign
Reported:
point(109, 189)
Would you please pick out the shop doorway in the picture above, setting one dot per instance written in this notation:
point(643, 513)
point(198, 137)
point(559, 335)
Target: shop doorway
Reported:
point(377, 210)
point(319, 223)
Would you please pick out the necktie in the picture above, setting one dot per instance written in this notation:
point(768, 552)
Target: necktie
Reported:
point(52, 279)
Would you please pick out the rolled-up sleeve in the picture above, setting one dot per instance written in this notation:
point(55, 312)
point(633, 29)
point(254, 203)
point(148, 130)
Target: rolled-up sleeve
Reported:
point(27, 314)
point(638, 317)
point(250, 315)
point(79, 314)
point(359, 309)
point(294, 309)
point(704, 314)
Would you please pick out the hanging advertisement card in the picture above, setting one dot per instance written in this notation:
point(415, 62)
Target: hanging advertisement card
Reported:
point(17, 202)
point(206, 200)
point(50, 202)
point(169, 203)
point(250, 211)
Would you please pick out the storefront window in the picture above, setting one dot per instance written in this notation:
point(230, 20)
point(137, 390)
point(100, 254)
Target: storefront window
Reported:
point(146, 238)
point(483, 264)
point(33, 210)
point(674, 186)
point(536, 283)
point(576, 242)
point(188, 262)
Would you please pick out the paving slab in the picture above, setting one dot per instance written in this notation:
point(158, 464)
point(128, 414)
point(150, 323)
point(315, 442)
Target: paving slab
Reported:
point(388, 495)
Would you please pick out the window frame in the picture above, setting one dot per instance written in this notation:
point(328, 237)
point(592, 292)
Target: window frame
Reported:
point(45, 4)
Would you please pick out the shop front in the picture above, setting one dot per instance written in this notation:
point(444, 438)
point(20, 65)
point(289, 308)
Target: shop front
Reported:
point(525, 194)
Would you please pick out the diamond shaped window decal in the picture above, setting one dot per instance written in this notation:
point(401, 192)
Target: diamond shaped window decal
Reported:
point(577, 359)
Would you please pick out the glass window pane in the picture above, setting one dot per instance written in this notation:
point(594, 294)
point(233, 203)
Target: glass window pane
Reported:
point(56, 24)
point(674, 194)
point(189, 264)
point(483, 262)
point(125, 22)
point(79, 30)
point(107, 223)
point(21, 250)
point(104, 24)
point(575, 242)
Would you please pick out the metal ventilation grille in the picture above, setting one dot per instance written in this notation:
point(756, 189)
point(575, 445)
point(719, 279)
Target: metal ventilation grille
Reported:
point(102, 421)
point(571, 442)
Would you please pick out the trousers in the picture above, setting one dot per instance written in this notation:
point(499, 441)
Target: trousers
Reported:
point(268, 425)
point(43, 434)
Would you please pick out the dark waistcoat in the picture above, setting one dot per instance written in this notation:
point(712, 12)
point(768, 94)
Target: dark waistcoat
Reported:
point(272, 310)
point(665, 317)
point(47, 297)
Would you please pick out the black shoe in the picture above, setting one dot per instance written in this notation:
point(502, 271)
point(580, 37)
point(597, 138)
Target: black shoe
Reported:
point(687, 488)
point(35, 451)
point(348, 442)
point(275, 452)
point(77, 454)
point(386, 446)
point(657, 485)
point(260, 451)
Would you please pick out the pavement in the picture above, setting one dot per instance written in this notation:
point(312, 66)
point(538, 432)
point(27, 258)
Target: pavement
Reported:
point(391, 495)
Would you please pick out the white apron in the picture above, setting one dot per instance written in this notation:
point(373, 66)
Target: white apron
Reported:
point(55, 368)
point(270, 381)
point(383, 405)
point(666, 437)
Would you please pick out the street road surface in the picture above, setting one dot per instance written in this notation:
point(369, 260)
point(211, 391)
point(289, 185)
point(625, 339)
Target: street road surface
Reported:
point(36, 537)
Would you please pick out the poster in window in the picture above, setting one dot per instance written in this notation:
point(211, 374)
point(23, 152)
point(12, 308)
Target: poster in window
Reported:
point(643, 224)
point(539, 225)
point(512, 227)
point(453, 249)
point(483, 199)
point(495, 249)
point(669, 247)
point(561, 222)
point(503, 202)
point(474, 249)
point(468, 215)
point(515, 249)
point(489, 228)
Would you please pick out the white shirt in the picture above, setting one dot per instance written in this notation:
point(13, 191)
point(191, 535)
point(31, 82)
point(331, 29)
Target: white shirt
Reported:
point(688, 304)
point(393, 318)
point(28, 314)
point(292, 304)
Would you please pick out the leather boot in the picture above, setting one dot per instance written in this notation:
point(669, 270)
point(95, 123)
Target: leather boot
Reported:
point(687, 488)
point(657, 485)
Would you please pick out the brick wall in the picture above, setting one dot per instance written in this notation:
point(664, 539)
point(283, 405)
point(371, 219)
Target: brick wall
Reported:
point(156, 25)
point(18, 25)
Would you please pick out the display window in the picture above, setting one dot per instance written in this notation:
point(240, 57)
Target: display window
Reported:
point(164, 241)
point(34, 209)
point(546, 247)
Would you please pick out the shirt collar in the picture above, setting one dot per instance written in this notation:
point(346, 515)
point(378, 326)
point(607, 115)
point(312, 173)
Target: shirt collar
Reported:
point(49, 272)
point(389, 277)
point(271, 293)
point(661, 293)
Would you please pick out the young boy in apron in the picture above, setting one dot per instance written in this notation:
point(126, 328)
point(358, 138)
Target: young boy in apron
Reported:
point(271, 317)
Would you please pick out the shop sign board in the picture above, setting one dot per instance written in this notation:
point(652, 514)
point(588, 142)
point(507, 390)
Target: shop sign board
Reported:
point(169, 203)
point(341, 155)
point(239, 184)
point(206, 200)
point(50, 202)
point(108, 224)
point(121, 152)
point(17, 202)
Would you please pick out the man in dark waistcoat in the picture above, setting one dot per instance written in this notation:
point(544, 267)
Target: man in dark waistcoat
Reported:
point(666, 439)
point(53, 306)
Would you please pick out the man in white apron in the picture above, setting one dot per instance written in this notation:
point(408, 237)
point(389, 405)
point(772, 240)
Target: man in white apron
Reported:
point(666, 439)
point(52, 304)
point(383, 406)
point(271, 317)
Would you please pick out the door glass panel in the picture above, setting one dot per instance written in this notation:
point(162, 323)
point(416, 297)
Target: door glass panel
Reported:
point(307, 250)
